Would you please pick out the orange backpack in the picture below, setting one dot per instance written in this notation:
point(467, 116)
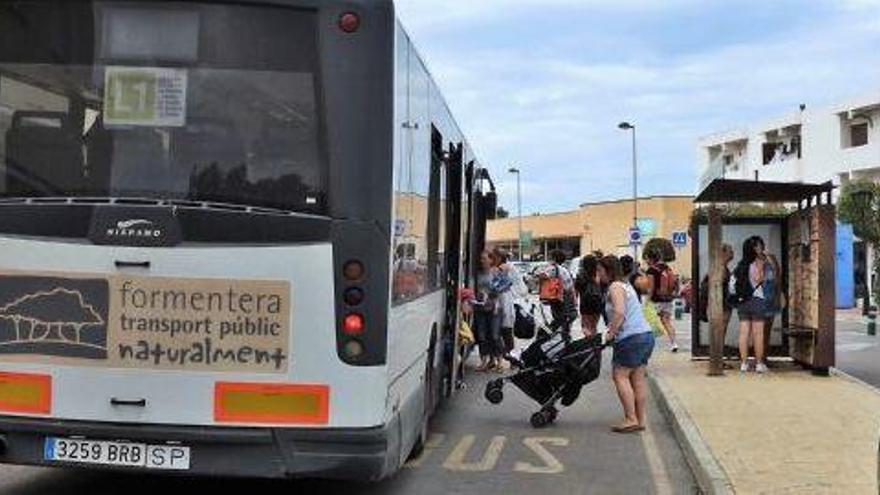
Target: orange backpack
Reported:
point(551, 290)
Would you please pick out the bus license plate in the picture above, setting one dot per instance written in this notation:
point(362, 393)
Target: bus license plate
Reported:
point(168, 457)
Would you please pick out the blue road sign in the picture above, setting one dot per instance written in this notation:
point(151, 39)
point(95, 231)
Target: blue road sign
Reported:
point(679, 239)
point(635, 236)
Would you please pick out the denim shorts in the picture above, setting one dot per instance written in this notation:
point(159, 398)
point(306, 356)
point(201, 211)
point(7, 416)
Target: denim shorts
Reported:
point(634, 351)
point(753, 309)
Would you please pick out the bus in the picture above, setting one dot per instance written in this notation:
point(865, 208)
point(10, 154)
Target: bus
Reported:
point(232, 237)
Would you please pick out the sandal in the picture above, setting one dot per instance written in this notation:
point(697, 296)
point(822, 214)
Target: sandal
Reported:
point(627, 429)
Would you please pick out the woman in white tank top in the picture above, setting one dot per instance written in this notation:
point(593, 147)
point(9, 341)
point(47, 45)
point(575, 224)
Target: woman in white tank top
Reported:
point(633, 345)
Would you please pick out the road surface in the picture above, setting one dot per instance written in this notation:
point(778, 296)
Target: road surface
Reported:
point(476, 448)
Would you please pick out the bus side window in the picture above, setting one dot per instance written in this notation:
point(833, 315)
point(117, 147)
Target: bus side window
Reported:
point(434, 224)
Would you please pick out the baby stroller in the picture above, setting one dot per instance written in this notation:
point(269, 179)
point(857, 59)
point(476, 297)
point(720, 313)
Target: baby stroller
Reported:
point(550, 369)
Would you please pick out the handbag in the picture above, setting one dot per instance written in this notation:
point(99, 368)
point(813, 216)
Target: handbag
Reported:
point(524, 325)
point(653, 318)
point(465, 334)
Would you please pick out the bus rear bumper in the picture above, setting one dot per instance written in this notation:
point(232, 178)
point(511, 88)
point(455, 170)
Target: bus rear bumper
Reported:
point(368, 454)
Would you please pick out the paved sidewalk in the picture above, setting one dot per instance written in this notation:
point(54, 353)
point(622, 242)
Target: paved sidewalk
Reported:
point(787, 432)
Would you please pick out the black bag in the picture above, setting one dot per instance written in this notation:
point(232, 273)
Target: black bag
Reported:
point(703, 300)
point(743, 290)
point(524, 325)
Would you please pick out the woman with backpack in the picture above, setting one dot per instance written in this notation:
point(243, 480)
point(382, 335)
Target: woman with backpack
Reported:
point(749, 291)
point(664, 288)
point(592, 299)
point(557, 291)
point(633, 344)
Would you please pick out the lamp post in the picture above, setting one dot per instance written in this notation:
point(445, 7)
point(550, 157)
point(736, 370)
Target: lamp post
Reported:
point(626, 126)
point(514, 170)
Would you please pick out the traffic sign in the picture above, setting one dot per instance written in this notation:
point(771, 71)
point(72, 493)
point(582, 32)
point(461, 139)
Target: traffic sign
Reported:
point(679, 239)
point(635, 236)
point(526, 239)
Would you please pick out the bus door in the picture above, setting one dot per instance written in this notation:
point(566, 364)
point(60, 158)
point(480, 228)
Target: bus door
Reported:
point(452, 264)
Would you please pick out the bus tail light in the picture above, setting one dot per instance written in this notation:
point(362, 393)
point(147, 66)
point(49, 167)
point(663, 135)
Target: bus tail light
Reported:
point(25, 393)
point(354, 349)
point(354, 296)
point(353, 271)
point(349, 22)
point(353, 324)
point(271, 403)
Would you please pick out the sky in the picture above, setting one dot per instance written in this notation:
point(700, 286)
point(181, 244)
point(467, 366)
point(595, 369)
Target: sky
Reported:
point(542, 84)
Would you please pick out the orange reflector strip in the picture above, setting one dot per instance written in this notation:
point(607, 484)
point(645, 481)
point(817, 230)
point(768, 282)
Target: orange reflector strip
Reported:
point(25, 393)
point(271, 403)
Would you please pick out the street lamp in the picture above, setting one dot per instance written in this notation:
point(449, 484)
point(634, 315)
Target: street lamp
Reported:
point(516, 171)
point(626, 126)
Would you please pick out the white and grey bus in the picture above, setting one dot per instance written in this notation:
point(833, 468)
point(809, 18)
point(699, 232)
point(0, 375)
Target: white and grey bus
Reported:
point(232, 236)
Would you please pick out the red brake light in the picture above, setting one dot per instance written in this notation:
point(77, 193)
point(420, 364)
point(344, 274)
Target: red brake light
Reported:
point(353, 324)
point(349, 22)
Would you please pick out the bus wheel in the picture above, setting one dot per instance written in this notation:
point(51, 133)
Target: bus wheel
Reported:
point(424, 429)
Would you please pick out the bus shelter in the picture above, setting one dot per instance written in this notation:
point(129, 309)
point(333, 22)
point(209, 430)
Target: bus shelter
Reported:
point(801, 237)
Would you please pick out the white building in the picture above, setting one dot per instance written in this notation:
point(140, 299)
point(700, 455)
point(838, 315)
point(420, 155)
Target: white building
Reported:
point(839, 143)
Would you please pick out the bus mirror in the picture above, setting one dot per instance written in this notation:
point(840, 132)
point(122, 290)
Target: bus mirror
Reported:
point(490, 204)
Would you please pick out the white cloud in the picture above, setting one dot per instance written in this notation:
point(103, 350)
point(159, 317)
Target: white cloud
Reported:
point(438, 14)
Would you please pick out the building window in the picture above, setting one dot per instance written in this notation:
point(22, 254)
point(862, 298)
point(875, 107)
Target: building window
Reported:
point(778, 152)
point(858, 134)
point(730, 162)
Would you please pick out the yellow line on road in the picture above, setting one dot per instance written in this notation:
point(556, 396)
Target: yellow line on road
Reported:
point(435, 440)
point(662, 484)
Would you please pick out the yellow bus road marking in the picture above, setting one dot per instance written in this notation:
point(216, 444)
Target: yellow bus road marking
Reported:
point(435, 440)
point(456, 460)
point(659, 475)
point(551, 463)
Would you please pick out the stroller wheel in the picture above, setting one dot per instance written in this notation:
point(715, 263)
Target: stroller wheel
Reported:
point(551, 414)
point(541, 419)
point(494, 392)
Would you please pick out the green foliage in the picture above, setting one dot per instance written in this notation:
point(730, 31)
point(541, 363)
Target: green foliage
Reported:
point(859, 205)
point(660, 248)
point(739, 210)
point(501, 213)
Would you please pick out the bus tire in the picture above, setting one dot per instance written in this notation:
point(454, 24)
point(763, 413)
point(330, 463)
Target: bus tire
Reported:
point(428, 384)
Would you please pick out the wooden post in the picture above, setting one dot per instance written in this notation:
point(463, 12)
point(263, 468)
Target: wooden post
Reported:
point(716, 295)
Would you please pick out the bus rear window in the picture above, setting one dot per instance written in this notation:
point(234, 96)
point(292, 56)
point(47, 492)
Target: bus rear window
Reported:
point(195, 102)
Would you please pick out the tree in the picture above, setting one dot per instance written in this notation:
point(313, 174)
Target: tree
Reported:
point(660, 248)
point(500, 212)
point(859, 205)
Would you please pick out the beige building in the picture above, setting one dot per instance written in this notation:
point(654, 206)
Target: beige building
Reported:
point(600, 226)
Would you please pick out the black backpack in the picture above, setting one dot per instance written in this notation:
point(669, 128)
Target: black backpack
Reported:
point(743, 289)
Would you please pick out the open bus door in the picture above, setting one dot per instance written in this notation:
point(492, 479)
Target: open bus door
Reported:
point(453, 265)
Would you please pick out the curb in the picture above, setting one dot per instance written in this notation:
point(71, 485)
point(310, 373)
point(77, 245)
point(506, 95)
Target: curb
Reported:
point(709, 475)
point(850, 378)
